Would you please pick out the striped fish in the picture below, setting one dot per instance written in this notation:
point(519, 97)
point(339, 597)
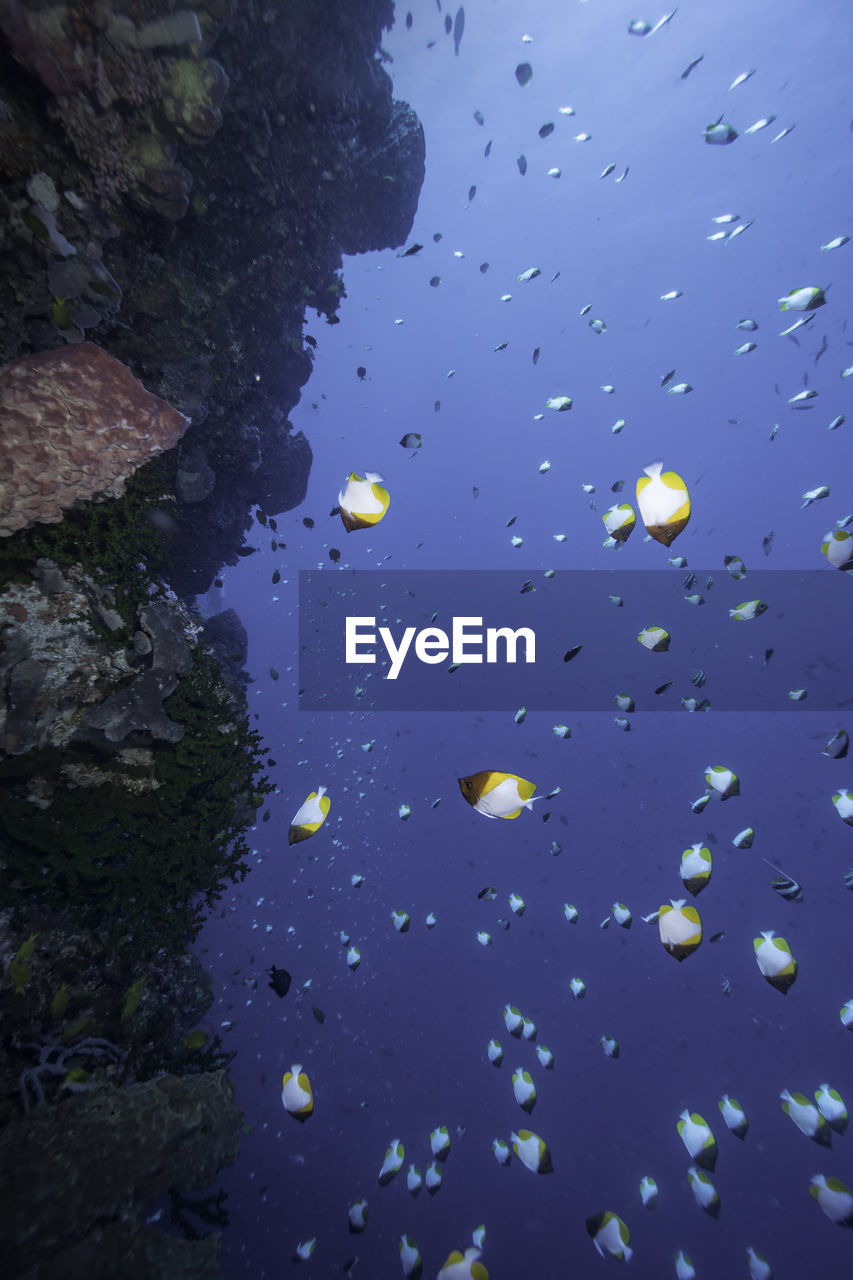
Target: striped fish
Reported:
point(790, 890)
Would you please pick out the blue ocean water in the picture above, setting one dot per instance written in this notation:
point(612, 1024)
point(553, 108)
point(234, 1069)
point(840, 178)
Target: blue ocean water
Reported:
point(402, 1048)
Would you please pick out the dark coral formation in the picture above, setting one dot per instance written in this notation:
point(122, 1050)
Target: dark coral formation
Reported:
point(74, 424)
point(177, 186)
point(77, 1177)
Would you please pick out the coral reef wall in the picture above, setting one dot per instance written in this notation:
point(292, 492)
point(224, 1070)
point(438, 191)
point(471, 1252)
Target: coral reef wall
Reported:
point(183, 210)
point(177, 188)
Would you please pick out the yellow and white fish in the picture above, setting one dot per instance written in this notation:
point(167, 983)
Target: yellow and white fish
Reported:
point(496, 794)
point(664, 503)
point(775, 960)
point(310, 816)
point(704, 1191)
point(806, 1117)
point(532, 1151)
point(808, 298)
point(837, 546)
point(610, 1235)
point(696, 868)
point(722, 780)
point(834, 1198)
point(468, 1267)
point(364, 502)
point(695, 1133)
point(296, 1095)
point(619, 521)
point(734, 1116)
point(680, 928)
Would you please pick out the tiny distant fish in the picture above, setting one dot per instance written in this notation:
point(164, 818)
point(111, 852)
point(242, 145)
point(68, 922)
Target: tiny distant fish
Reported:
point(691, 66)
point(478, 116)
point(411, 251)
point(717, 937)
point(524, 73)
point(522, 164)
point(488, 150)
point(760, 124)
point(768, 654)
point(546, 130)
point(458, 28)
point(837, 243)
point(535, 355)
point(726, 985)
point(667, 377)
point(572, 653)
point(767, 542)
point(784, 133)
point(608, 169)
point(662, 688)
point(472, 191)
point(741, 79)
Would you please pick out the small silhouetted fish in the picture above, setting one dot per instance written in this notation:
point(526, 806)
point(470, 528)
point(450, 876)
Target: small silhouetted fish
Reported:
point(279, 981)
point(535, 355)
point(546, 130)
point(488, 147)
point(272, 524)
point(334, 555)
point(726, 985)
point(662, 688)
point(319, 1015)
point(448, 23)
point(475, 491)
point(246, 551)
point(489, 893)
point(691, 66)
point(411, 251)
point(524, 73)
point(717, 937)
point(217, 582)
point(484, 266)
point(333, 320)
point(458, 28)
point(572, 653)
point(409, 21)
point(522, 165)
point(308, 522)
point(478, 116)
point(436, 235)
point(767, 542)
point(768, 654)
point(435, 281)
point(436, 407)
point(276, 578)
point(472, 191)
point(361, 373)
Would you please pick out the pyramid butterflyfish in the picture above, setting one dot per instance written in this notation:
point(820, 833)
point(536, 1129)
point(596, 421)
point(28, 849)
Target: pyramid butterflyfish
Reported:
point(497, 795)
point(532, 1151)
point(834, 1198)
point(696, 868)
point(775, 960)
point(695, 1133)
point(680, 928)
point(310, 816)
point(468, 1267)
point(837, 546)
point(619, 521)
point(610, 1235)
point(664, 503)
point(296, 1095)
point(364, 502)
